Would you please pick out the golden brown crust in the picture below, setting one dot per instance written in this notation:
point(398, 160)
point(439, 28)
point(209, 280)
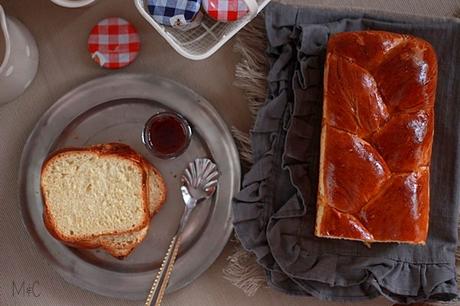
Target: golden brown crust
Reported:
point(376, 139)
point(115, 149)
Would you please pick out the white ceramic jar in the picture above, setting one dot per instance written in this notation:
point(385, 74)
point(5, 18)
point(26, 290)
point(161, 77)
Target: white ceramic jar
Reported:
point(19, 64)
point(73, 3)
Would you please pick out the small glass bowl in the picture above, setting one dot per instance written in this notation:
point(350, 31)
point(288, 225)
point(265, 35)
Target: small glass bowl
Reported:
point(162, 130)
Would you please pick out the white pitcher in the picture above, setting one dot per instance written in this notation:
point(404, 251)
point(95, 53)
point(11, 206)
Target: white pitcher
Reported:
point(73, 3)
point(20, 62)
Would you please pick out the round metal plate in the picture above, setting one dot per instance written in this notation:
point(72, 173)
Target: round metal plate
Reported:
point(114, 109)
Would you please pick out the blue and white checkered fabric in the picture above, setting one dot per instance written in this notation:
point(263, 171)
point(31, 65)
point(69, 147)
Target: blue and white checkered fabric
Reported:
point(167, 11)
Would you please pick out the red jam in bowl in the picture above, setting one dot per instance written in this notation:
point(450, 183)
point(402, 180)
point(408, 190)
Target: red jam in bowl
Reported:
point(167, 135)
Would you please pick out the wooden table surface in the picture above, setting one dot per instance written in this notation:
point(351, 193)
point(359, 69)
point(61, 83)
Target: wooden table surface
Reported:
point(61, 35)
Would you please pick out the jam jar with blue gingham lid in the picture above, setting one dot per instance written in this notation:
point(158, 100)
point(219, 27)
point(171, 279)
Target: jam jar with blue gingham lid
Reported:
point(180, 14)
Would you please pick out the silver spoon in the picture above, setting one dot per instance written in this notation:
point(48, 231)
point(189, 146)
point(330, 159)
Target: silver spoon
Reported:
point(199, 182)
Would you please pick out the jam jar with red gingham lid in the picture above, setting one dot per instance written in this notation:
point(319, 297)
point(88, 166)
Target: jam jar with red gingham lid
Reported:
point(225, 10)
point(114, 43)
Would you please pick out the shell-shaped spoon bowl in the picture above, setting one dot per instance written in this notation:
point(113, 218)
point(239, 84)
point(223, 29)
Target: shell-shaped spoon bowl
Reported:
point(200, 178)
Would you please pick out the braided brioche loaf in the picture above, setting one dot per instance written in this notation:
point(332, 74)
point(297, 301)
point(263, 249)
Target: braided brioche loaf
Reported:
point(376, 139)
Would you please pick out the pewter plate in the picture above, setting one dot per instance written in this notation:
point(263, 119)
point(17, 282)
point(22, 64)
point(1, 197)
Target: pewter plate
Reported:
point(114, 109)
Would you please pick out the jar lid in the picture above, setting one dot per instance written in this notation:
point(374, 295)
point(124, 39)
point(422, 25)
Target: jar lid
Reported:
point(114, 43)
point(175, 13)
point(225, 10)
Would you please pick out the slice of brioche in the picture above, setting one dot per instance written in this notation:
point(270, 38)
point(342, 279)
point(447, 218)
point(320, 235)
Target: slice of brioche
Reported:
point(122, 245)
point(95, 191)
point(157, 189)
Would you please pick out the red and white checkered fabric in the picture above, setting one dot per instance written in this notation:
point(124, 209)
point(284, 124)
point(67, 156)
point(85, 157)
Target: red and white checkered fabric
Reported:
point(225, 10)
point(114, 43)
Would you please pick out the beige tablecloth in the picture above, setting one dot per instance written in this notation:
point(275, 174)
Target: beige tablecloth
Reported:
point(61, 35)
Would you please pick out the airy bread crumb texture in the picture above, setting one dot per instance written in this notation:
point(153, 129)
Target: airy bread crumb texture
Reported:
point(122, 245)
point(88, 194)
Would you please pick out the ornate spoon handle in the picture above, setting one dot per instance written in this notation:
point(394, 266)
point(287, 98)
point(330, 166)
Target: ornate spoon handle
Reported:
point(161, 281)
point(201, 178)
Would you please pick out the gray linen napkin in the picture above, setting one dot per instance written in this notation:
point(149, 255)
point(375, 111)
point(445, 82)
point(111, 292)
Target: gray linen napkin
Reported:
point(274, 214)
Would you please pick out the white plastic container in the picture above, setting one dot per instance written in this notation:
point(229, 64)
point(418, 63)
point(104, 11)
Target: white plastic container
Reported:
point(202, 41)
